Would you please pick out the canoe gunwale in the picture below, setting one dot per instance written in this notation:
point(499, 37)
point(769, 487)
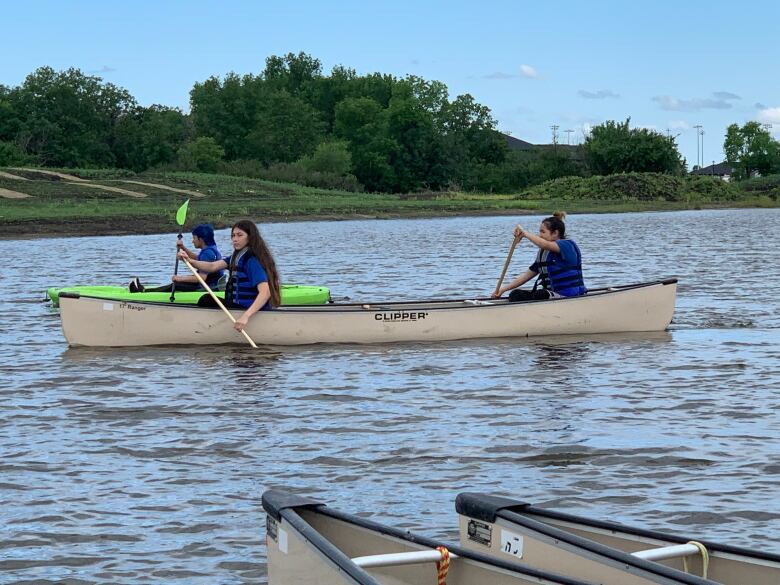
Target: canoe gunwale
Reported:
point(646, 533)
point(471, 504)
point(281, 503)
point(491, 509)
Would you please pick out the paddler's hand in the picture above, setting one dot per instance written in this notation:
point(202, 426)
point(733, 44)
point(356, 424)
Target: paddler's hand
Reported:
point(240, 323)
point(182, 255)
point(495, 295)
point(180, 245)
point(519, 232)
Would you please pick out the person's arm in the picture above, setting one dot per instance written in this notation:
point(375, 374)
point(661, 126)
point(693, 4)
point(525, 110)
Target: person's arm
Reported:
point(263, 295)
point(207, 267)
point(537, 241)
point(519, 281)
point(180, 245)
point(182, 278)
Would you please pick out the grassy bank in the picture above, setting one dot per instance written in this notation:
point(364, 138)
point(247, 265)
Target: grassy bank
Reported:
point(114, 202)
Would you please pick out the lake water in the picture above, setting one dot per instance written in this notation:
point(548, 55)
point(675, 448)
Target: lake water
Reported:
point(147, 465)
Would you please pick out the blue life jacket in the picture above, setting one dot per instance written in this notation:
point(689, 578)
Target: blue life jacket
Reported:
point(239, 288)
point(212, 278)
point(557, 276)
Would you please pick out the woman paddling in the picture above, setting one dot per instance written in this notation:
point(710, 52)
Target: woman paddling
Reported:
point(253, 281)
point(203, 240)
point(558, 264)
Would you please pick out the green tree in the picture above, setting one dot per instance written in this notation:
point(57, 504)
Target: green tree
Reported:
point(613, 147)
point(11, 154)
point(202, 154)
point(68, 118)
point(750, 149)
point(285, 128)
point(148, 137)
point(362, 122)
point(330, 157)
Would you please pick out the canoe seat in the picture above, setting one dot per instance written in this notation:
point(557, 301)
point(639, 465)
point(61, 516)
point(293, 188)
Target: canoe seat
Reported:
point(404, 558)
point(676, 551)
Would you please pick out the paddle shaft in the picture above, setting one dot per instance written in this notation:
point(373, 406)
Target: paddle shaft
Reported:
point(216, 300)
point(506, 264)
point(175, 272)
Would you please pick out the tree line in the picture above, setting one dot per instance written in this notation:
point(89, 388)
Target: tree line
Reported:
point(293, 122)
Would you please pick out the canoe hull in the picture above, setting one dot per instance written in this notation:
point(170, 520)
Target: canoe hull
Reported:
point(99, 322)
point(292, 294)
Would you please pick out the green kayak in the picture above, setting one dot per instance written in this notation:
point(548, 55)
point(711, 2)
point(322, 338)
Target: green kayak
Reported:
point(292, 294)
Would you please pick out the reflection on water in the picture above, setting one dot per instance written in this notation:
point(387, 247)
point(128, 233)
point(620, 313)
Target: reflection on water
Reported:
point(146, 465)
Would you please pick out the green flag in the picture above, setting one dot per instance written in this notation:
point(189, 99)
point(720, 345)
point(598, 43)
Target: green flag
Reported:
point(181, 215)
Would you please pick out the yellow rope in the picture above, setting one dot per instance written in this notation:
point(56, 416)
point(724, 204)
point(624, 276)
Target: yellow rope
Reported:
point(705, 558)
point(443, 565)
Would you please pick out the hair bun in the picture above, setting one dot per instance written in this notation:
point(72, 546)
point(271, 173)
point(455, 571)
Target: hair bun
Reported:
point(560, 215)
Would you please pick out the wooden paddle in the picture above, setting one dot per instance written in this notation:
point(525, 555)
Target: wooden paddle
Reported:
point(506, 264)
point(216, 300)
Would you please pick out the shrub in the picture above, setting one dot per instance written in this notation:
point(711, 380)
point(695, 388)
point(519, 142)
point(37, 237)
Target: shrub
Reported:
point(202, 154)
point(11, 155)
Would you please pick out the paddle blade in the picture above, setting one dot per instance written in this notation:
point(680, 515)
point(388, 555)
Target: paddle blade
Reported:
point(181, 214)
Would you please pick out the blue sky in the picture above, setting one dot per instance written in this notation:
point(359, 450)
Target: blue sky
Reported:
point(667, 65)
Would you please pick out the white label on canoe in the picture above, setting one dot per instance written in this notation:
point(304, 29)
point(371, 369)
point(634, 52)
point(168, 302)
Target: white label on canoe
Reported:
point(108, 306)
point(283, 541)
point(511, 543)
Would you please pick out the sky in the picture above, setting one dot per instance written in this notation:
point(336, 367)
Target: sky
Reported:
point(669, 66)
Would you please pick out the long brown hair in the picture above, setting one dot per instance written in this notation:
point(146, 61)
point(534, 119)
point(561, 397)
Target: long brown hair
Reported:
point(260, 249)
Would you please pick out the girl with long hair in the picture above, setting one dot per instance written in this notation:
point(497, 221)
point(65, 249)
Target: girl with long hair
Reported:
point(558, 264)
point(253, 280)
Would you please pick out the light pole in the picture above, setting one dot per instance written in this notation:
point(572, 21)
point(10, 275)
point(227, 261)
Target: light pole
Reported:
point(568, 136)
point(701, 132)
point(698, 156)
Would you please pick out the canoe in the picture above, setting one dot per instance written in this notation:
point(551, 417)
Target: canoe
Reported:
point(604, 551)
point(311, 543)
point(292, 294)
point(93, 321)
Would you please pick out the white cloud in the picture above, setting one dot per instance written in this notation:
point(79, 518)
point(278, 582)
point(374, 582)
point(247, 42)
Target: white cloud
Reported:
point(597, 95)
point(726, 95)
point(528, 71)
point(770, 116)
point(674, 104)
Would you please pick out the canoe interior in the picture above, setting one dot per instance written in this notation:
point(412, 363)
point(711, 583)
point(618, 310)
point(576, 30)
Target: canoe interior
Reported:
point(312, 543)
point(581, 542)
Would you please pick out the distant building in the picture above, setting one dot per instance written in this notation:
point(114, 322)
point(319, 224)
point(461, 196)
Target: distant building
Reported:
point(722, 170)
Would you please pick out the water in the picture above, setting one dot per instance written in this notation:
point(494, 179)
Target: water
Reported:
point(147, 465)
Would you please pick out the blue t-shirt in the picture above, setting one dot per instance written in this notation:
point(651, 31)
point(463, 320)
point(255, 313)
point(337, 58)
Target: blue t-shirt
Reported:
point(210, 254)
point(256, 274)
point(568, 252)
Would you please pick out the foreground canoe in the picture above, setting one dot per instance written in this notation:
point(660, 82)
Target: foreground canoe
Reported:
point(91, 321)
point(292, 294)
point(310, 543)
point(603, 551)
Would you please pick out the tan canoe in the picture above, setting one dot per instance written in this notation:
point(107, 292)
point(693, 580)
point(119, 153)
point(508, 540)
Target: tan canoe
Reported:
point(91, 321)
point(603, 551)
point(309, 543)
